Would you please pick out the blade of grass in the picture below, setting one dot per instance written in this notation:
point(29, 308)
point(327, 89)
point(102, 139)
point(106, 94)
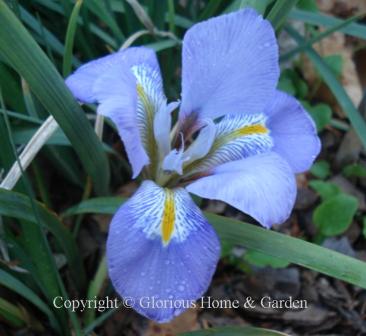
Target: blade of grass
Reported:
point(70, 36)
point(95, 287)
point(9, 281)
point(17, 205)
point(319, 37)
point(20, 50)
point(170, 15)
point(259, 5)
point(36, 241)
point(338, 91)
point(278, 13)
point(272, 243)
point(29, 152)
point(99, 321)
point(43, 34)
point(21, 116)
point(320, 19)
point(209, 10)
point(12, 314)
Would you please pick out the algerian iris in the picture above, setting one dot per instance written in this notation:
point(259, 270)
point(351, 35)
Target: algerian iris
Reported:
point(237, 139)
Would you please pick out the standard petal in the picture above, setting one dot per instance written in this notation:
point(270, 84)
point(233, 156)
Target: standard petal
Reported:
point(230, 65)
point(81, 82)
point(293, 131)
point(161, 252)
point(262, 186)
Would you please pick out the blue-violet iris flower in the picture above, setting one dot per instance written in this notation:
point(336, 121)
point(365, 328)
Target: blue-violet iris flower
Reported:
point(237, 139)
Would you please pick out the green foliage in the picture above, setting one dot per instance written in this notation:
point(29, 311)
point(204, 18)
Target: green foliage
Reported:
point(71, 34)
point(320, 169)
point(277, 245)
point(293, 84)
point(321, 114)
point(335, 63)
point(334, 215)
point(326, 190)
point(354, 170)
point(308, 5)
point(260, 259)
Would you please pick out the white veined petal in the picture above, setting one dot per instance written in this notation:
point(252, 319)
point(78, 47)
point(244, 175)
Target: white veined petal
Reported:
point(237, 137)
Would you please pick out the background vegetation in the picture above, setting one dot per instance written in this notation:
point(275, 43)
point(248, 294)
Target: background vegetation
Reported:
point(62, 169)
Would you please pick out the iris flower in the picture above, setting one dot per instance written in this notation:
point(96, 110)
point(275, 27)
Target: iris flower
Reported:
point(237, 139)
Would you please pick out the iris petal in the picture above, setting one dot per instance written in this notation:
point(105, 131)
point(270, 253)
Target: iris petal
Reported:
point(230, 65)
point(262, 186)
point(202, 144)
point(162, 125)
point(293, 131)
point(81, 82)
point(160, 248)
point(236, 137)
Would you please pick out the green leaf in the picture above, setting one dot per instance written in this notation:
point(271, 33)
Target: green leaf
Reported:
point(70, 36)
point(259, 5)
point(272, 243)
point(325, 189)
point(354, 170)
point(309, 42)
point(286, 83)
point(309, 5)
point(319, 19)
point(278, 14)
point(321, 114)
point(337, 89)
point(12, 283)
point(12, 314)
point(17, 205)
point(22, 52)
point(291, 83)
point(364, 226)
point(321, 169)
point(235, 331)
point(335, 215)
point(260, 259)
point(335, 63)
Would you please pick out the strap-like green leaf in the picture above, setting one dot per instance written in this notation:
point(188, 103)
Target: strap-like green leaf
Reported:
point(19, 49)
point(272, 243)
point(278, 13)
point(337, 89)
point(11, 282)
point(17, 205)
point(320, 19)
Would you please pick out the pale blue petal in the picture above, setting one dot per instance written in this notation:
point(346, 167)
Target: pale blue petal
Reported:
point(81, 82)
point(143, 268)
point(293, 132)
point(173, 162)
point(130, 95)
point(237, 137)
point(121, 108)
point(230, 65)
point(262, 186)
point(202, 144)
point(162, 125)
